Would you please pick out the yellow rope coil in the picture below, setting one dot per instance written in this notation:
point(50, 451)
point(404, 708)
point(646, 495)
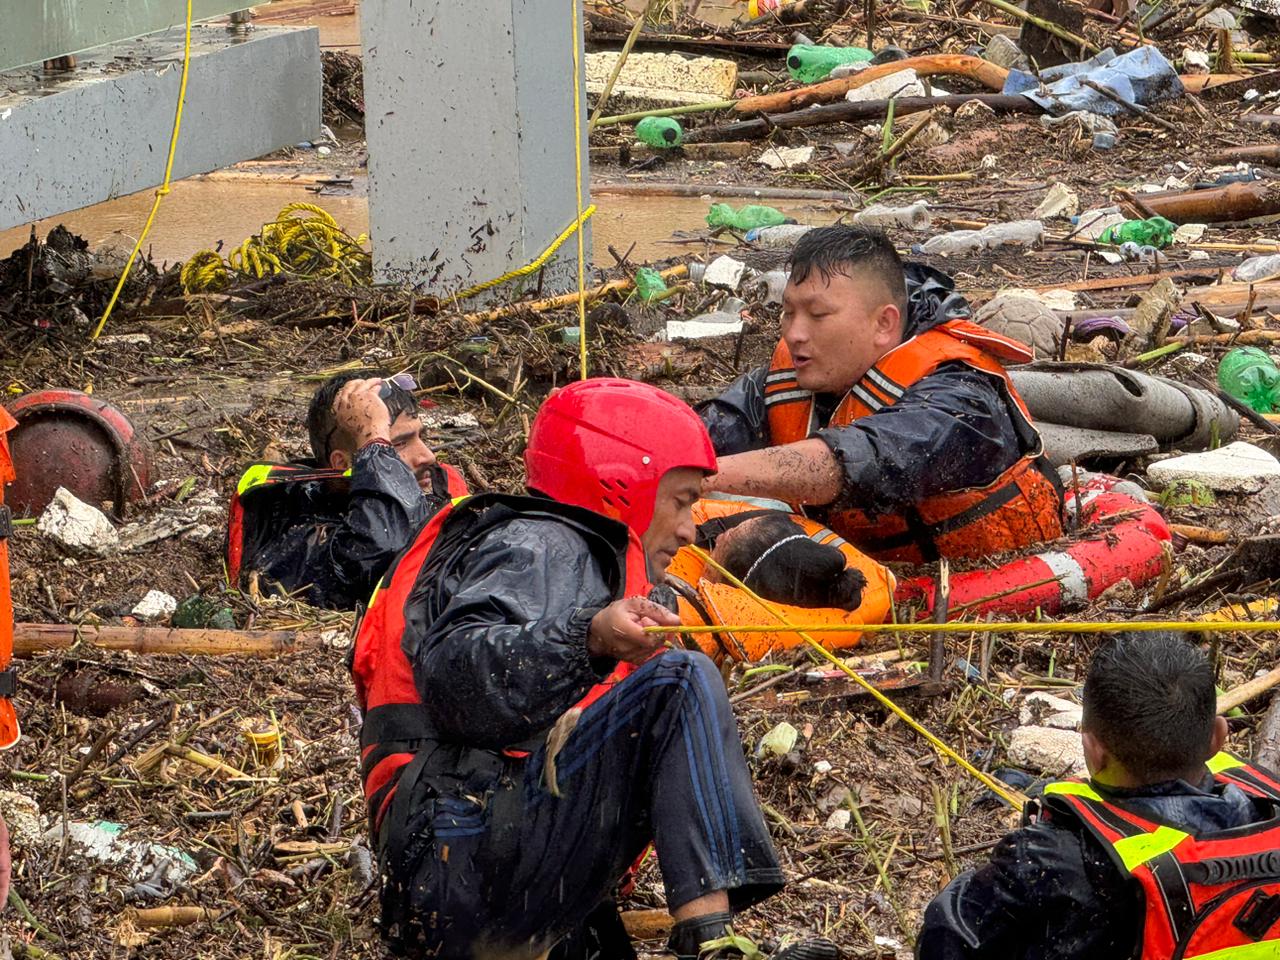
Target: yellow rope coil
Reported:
point(304, 241)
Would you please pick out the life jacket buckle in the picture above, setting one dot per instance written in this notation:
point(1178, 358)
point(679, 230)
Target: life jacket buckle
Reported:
point(1258, 915)
point(6, 522)
point(8, 683)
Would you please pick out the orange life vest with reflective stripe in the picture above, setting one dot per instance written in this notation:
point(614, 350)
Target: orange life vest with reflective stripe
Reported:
point(1021, 507)
point(9, 731)
point(395, 719)
point(1213, 896)
point(710, 604)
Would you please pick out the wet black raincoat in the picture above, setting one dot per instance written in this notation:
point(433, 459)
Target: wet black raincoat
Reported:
point(950, 431)
point(337, 539)
point(1051, 892)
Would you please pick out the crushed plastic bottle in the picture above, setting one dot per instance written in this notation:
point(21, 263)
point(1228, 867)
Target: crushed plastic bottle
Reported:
point(1257, 268)
point(1015, 233)
point(783, 235)
point(1251, 376)
point(810, 63)
point(661, 133)
point(649, 285)
point(955, 242)
point(1155, 232)
point(767, 287)
point(749, 217)
point(913, 217)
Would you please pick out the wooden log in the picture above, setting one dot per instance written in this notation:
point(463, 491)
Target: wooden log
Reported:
point(32, 638)
point(761, 127)
point(745, 191)
point(1262, 152)
point(732, 150)
point(1201, 534)
point(1235, 201)
point(152, 917)
point(647, 924)
point(941, 64)
point(1247, 691)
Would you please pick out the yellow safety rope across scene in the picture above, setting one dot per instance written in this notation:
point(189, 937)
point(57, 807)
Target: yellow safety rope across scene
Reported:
point(1038, 626)
point(535, 265)
point(577, 160)
point(164, 187)
point(1013, 797)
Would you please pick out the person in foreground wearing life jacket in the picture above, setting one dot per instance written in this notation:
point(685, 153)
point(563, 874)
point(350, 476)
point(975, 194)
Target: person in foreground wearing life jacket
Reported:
point(1170, 850)
point(328, 530)
point(886, 412)
point(524, 739)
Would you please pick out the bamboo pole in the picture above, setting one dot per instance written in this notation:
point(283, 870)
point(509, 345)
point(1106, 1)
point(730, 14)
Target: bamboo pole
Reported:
point(1248, 690)
point(617, 67)
point(1060, 32)
point(666, 112)
point(32, 638)
point(568, 299)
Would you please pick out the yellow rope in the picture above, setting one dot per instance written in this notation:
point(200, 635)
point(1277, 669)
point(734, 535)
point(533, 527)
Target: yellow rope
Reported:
point(310, 245)
point(529, 268)
point(577, 160)
point(1013, 797)
point(1040, 626)
point(164, 186)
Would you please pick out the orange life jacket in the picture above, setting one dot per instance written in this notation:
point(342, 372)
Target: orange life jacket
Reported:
point(1216, 895)
point(1021, 507)
point(9, 731)
point(711, 604)
point(395, 721)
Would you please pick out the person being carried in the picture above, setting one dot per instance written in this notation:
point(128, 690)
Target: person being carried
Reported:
point(1169, 850)
point(524, 738)
point(885, 413)
point(327, 530)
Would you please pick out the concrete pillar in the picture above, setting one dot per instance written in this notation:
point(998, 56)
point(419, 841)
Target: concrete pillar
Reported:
point(469, 121)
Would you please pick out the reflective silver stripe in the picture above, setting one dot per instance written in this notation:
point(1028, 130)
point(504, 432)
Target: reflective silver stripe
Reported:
point(787, 396)
point(867, 399)
point(779, 375)
point(885, 384)
point(1069, 573)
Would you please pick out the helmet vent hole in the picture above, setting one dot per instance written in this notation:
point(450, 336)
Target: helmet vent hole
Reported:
point(622, 484)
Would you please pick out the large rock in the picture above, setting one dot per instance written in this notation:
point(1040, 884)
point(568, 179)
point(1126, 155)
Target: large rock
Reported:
point(664, 79)
point(77, 527)
point(1048, 749)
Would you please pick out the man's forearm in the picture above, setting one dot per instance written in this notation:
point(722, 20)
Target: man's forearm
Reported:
point(803, 473)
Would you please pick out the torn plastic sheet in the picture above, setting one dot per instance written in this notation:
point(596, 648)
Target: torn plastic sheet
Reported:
point(1142, 76)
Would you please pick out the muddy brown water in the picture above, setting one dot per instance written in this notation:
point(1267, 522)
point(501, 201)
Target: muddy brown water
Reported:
point(199, 214)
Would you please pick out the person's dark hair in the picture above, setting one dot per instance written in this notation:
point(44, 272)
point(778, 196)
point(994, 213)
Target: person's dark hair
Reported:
point(838, 250)
point(322, 425)
point(773, 556)
point(1150, 699)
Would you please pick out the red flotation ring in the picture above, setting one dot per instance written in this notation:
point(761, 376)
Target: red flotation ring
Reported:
point(1126, 542)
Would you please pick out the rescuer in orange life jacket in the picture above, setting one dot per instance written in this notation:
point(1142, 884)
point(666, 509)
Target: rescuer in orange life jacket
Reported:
point(886, 412)
point(523, 738)
point(1171, 850)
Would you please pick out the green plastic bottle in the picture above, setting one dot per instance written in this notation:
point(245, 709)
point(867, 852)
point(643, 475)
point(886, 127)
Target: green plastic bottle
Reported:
point(748, 218)
point(1251, 376)
point(810, 63)
point(662, 133)
point(649, 284)
point(1156, 232)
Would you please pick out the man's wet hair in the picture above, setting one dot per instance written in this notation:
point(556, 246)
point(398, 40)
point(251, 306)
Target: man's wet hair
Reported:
point(796, 570)
point(838, 250)
point(1150, 699)
point(322, 424)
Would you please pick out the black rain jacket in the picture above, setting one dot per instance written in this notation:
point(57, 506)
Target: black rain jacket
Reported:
point(340, 538)
point(950, 431)
point(1051, 891)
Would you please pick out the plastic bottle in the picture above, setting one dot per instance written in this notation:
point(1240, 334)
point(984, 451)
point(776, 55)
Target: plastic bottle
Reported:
point(1251, 376)
point(784, 235)
point(914, 217)
point(1255, 268)
point(751, 216)
point(1023, 233)
point(649, 284)
point(1156, 232)
point(767, 287)
point(957, 241)
point(661, 133)
point(811, 63)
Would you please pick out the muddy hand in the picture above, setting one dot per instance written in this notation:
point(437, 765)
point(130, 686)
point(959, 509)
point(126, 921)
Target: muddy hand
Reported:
point(361, 412)
point(617, 631)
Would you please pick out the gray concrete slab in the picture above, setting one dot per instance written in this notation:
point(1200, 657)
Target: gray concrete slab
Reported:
point(103, 130)
point(469, 121)
point(34, 32)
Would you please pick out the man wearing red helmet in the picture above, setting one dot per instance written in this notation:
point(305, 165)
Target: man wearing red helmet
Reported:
point(522, 742)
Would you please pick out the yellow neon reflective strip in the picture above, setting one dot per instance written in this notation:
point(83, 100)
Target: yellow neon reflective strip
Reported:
point(374, 598)
point(1223, 761)
point(1266, 950)
point(1073, 788)
point(1135, 851)
point(458, 500)
point(256, 475)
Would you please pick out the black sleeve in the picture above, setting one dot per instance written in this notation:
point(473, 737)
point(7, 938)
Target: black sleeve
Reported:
point(1041, 894)
point(951, 430)
point(736, 418)
point(387, 507)
point(507, 655)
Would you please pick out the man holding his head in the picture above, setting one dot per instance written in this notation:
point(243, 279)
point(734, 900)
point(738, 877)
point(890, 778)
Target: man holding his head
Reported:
point(888, 411)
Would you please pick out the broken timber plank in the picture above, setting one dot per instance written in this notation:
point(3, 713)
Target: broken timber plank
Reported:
point(31, 638)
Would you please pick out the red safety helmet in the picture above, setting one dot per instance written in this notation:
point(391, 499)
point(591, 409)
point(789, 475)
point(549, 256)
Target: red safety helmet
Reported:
point(604, 444)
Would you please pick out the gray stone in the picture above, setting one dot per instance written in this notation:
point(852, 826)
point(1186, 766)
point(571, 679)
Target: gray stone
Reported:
point(77, 527)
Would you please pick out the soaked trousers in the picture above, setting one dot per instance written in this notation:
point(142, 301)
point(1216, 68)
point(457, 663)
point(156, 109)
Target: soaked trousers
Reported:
point(509, 874)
